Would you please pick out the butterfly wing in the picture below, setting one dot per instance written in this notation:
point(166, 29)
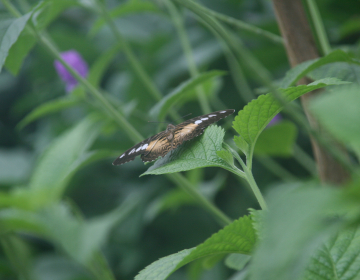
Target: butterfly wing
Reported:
point(196, 126)
point(142, 148)
point(158, 145)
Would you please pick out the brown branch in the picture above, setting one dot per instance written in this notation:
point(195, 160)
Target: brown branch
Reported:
point(300, 46)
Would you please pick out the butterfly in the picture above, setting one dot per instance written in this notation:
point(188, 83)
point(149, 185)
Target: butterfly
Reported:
point(163, 142)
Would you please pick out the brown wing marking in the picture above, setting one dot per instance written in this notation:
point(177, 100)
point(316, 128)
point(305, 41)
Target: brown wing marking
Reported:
point(157, 148)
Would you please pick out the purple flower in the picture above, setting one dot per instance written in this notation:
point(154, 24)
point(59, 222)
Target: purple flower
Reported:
point(275, 120)
point(74, 59)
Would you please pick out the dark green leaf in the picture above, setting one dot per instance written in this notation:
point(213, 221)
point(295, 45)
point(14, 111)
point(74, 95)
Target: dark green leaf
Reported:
point(181, 92)
point(199, 152)
point(277, 140)
point(238, 237)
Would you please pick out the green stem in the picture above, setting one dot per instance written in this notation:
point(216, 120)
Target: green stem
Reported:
point(276, 168)
point(179, 24)
point(305, 160)
point(319, 28)
point(189, 188)
point(242, 25)
point(134, 62)
point(249, 177)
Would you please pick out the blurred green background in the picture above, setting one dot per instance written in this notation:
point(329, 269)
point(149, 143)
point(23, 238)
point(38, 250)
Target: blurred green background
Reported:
point(163, 220)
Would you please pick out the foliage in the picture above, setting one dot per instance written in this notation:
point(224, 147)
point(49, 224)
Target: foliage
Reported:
point(67, 213)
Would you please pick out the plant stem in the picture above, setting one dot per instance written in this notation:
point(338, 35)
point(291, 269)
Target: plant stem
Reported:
point(189, 188)
point(134, 62)
point(305, 160)
point(276, 168)
point(320, 32)
point(248, 177)
point(179, 24)
point(241, 25)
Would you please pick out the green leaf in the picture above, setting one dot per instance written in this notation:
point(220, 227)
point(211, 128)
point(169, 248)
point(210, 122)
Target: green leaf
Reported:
point(129, 7)
point(277, 140)
point(10, 30)
point(237, 261)
point(299, 221)
point(256, 115)
point(339, 113)
point(226, 156)
point(341, 70)
point(59, 161)
point(296, 73)
point(47, 108)
point(242, 144)
point(238, 237)
point(19, 50)
point(193, 154)
point(338, 258)
point(182, 91)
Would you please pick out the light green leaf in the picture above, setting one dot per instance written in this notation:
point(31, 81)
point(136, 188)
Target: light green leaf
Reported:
point(129, 7)
point(61, 158)
point(339, 113)
point(237, 261)
point(238, 237)
point(10, 30)
point(277, 140)
point(338, 258)
point(226, 156)
point(341, 70)
point(296, 73)
point(299, 221)
point(47, 108)
point(182, 91)
point(256, 115)
point(193, 154)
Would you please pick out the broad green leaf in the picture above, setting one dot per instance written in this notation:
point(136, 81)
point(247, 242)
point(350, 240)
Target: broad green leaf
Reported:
point(338, 258)
point(296, 73)
point(101, 64)
point(193, 154)
point(10, 30)
point(299, 221)
point(237, 261)
point(61, 158)
point(47, 108)
point(341, 70)
point(277, 140)
point(339, 113)
point(226, 156)
point(129, 7)
point(238, 237)
point(182, 91)
point(255, 116)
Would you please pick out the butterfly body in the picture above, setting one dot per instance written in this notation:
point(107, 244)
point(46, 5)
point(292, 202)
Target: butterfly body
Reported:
point(165, 141)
